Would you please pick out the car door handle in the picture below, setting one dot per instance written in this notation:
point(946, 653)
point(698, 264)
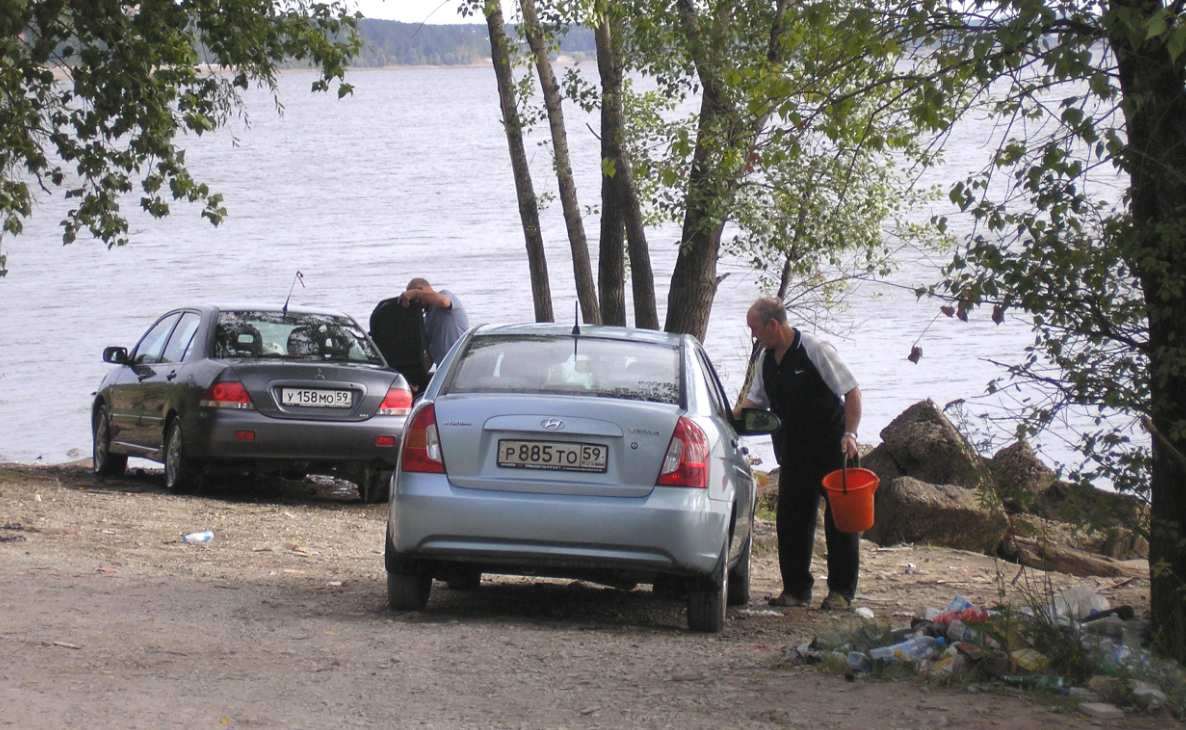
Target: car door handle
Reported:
point(733, 443)
point(171, 375)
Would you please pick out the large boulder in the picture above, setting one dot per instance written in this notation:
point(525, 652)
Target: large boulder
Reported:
point(946, 515)
point(1019, 475)
point(881, 462)
point(926, 446)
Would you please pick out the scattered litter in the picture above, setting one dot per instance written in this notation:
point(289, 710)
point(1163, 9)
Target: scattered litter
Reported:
point(334, 583)
point(974, 641)
point(759, 612)
point(198, 538)
point(64, 645)
point(864, 612)
point(1101, 710)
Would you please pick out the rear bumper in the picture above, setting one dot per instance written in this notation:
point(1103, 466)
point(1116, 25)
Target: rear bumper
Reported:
point(213, 439)
point(671, 530)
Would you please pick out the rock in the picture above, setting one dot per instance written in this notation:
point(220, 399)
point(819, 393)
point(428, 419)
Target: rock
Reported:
point(1101, 710)
point(1118, 520)
point(926, 446)
point(1019, 475)
point(1111, 542)
point(1038, 553)
point(908, 510)
point(881, 462)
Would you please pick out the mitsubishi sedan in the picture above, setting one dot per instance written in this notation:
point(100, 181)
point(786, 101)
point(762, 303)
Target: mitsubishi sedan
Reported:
point(256, 388)
point(601, 453)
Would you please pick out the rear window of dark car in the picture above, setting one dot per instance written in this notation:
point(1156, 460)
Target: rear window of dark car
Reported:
point(569, 366)
point(291, 336)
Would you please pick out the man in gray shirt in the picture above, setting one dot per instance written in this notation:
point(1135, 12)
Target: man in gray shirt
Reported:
point(445, 319)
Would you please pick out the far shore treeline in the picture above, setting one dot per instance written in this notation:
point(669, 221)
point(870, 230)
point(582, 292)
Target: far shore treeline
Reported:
point(391, 43)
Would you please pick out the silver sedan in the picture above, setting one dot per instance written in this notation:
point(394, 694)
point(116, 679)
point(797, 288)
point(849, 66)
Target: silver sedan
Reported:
point(608, 455)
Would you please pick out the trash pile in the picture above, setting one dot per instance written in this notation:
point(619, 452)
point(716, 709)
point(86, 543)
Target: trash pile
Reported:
point(1099, 644)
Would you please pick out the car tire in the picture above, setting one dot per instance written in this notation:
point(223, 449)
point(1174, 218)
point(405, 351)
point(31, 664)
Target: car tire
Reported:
point(374, 486)
point(105, 463)
point(739, 594)
point(708, 597)
point(408, 591)
point(181, 474)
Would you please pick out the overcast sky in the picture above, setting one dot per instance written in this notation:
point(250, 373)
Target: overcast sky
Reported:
point(435, 12)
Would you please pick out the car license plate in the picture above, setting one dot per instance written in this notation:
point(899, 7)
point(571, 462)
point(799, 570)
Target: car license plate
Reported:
point(557, 455)
point(315, 398)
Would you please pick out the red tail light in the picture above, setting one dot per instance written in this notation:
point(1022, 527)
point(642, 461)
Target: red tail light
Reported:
point(686, 463)
point(227, 395)
point(397, 403)
point(422, 444)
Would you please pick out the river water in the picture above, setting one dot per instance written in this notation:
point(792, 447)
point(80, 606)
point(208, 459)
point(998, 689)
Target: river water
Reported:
point(407, 177)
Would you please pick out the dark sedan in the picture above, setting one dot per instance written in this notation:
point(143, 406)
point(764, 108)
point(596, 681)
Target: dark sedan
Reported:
point(256, 388)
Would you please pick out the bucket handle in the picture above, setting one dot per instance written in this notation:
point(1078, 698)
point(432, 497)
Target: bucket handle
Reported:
point(844, 470)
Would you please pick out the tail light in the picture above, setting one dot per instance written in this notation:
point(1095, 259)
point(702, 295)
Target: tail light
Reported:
point(230, 394)
point(397, 403)
point(422, 444)
point(686, 463)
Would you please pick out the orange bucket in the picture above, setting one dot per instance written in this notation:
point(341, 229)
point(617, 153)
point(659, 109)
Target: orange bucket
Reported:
point(850, 494)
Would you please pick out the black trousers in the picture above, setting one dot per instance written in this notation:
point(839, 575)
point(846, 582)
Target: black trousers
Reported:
point(799, 493)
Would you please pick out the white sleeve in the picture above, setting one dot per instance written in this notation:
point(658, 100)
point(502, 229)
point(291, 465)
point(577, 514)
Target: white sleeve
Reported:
point(757, 387)
point(831, 368)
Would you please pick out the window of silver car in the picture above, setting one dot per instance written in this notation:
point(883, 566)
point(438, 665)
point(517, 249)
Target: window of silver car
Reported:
point(561, 365)
point(292, 336)
point(716, 393)
point(152, 344)
point(181, 338)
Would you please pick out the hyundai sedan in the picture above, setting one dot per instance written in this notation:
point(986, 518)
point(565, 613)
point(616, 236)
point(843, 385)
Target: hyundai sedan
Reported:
point(601, 453)
point(259, 388)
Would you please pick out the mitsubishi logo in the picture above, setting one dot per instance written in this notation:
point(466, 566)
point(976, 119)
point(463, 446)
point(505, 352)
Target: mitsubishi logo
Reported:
point(552, 424)
point(320, 375)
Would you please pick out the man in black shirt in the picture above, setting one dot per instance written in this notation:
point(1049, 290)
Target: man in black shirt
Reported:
point(802, 379)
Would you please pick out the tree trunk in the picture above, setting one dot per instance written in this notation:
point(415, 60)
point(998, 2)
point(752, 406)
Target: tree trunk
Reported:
point(619, 200)
point(541, 294)
point(1155, 158)
point(611, 266)
point(694, 281)
point(582, 270)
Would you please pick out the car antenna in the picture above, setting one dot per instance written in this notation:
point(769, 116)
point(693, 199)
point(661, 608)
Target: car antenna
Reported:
point(299, 277)
point(576, 327)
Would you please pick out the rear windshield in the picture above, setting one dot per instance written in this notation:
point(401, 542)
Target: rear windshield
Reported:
point(308, 337)
point(569, 365)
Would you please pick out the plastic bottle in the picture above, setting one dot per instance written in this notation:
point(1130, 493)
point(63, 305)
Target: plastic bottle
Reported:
point(1037, 680)
point(957, 630)
point(911, 650)
point(198, 537)
point(1079, 602)
point(858, 662)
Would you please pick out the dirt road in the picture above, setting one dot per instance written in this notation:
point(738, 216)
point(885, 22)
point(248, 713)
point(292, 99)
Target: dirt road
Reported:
point(107, 620)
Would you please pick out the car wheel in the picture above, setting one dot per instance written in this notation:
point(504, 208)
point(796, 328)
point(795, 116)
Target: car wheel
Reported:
point(408, 591)
point(181, 475)
point(105, 463)
point(707, 598)
point(739, 575)
point(373, 487)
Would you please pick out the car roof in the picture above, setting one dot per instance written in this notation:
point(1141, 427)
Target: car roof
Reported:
point(549, 329)
point(213, 308)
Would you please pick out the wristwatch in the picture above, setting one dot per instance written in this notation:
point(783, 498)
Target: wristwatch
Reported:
point(851, 434)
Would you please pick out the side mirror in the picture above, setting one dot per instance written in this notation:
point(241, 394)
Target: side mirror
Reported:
point(756, 421)
point(115, 355)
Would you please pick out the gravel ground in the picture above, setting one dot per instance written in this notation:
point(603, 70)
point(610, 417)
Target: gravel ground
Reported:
point(108, 620)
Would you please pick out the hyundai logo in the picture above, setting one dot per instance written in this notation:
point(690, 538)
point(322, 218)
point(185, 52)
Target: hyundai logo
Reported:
point(552, 424)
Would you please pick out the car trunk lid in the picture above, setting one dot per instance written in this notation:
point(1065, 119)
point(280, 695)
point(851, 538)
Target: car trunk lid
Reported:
point(554, 445)
point(315, 391)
